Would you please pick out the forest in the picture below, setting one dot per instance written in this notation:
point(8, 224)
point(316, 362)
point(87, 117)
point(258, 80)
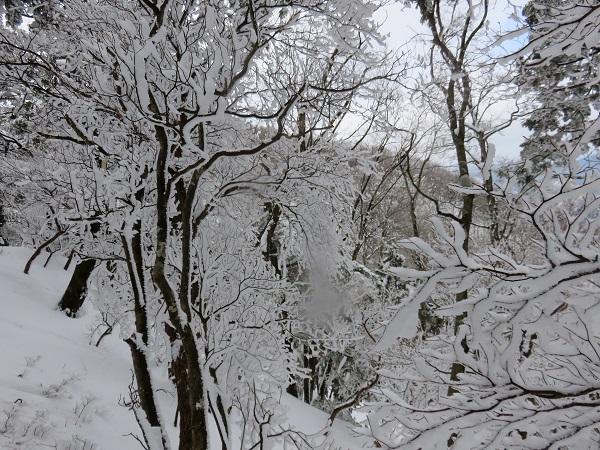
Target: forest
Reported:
point(264, 199)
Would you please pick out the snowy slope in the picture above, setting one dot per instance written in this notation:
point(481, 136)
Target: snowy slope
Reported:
point(311, 421)
point(59, 391)
point(55, 389)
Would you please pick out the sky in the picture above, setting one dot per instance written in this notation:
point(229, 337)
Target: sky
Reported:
point(401, 24)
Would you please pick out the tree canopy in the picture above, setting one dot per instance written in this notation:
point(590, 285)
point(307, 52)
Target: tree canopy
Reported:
point(262, 199)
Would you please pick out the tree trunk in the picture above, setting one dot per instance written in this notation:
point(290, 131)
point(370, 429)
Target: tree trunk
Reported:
point(144, 383)
point(38, 251)
point(218, 411)
point(143, 379)
point(187, 377)
point(3, 241)
point(292, 388)
point(76, 291)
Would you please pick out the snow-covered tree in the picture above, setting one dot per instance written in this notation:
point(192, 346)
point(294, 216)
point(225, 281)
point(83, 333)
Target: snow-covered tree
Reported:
point(564, 87)
point(189, 147)
point(528, 342)
point(528, 345)
point(460, 84)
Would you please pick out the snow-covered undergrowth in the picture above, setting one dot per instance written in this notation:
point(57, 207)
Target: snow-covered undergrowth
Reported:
point(56, 390)
point(59, 391)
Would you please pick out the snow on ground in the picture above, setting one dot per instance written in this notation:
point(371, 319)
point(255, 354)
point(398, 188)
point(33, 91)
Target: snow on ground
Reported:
point(56, 390)
point(311, 421)
point(59, 391)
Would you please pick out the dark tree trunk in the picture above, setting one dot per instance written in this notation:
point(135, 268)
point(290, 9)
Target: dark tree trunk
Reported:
point(143, 383)
point(145, 389)
point(2, 223)
point(218, 412)
point(180, 378)
point(309, 383)
point(76, 291)
point(38, 251)
point(185, 365)
point(323, 383)
point(292, 389)
point(195, 398)
point(187, 377)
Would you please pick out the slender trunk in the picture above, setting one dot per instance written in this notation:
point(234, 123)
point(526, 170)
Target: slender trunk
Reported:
point(69, 260)
point(143, 380)
point(3, 241)
point(467, 219)
point(145, 389)
point(314, 377)
point(324, 381)
point(38, 251)
point(302, 131)
point(218, 412)
point(493, 210)
point(306, 385)
point(488, 184)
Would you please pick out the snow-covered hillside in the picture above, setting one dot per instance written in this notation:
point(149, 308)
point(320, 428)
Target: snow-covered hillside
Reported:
point(56, 389)
point(59, 391)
